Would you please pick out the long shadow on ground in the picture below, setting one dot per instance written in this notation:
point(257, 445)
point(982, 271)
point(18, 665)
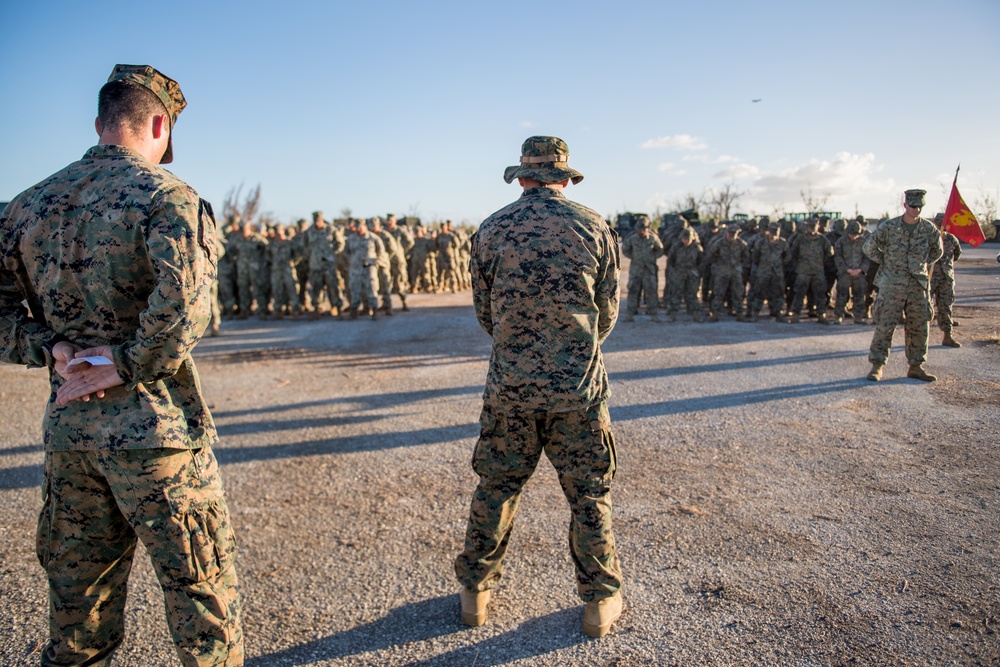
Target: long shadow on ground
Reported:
point(427, 620)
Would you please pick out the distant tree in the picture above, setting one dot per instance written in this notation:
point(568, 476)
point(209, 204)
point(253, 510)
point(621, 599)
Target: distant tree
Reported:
point(247, 210)
point(984, 207)
point(721, 202)
point(814, 202)
point(345, 213)
point(689, 201)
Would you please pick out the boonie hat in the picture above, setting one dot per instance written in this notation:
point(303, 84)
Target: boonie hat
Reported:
point(165, 88)
point(543, 159)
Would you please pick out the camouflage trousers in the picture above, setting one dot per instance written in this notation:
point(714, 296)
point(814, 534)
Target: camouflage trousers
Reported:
point(284, 288)
point(812, 285)
point(727, 283)
point(642, 284)
point(325, 278)
point(910, 306)
point(769, 286)
point(96, 504)
point(581, 447)
point(851, 288)
point(682, 284)
point(364, 282)
point(943, 293)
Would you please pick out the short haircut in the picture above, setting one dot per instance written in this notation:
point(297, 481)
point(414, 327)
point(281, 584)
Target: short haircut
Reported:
point(125, 104)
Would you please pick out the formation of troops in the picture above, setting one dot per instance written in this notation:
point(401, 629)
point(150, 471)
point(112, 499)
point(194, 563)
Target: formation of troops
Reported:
point(341, 268)
point(783, 269)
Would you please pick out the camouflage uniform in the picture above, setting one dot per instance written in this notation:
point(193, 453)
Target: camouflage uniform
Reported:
point(727, 257)
point(323, 245)
point(385, 260)
point(683, 275)
point(114, 250)
point(364, 252)
point(642, 270)
point(447, 247)
point(284, 286)
point(768, 258)
point(943, 281)
point(251, 255)
point(422, 262)
point(545, 288)
point(904, 253)
point(848, 255)
point(808, 253)
point(227, 271)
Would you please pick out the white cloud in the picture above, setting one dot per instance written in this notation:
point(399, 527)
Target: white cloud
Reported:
point(701, 157)
point(665, 166)
point(682, 141)
point(742, 170)
point(526, 123)
point(848, 177)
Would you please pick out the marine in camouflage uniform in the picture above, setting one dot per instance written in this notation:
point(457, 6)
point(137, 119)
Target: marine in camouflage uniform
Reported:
point(808, 253)
point(384, 263)
point(251, 251)
point(323, 243)
point(364, 249)
point(643, 248)
point(399, 271)
point(396, 282)
point(283, 253)
point(422, 261)
point(115, 257)
point(768, 259)
point(852, 269)
point(227, 268)
point(447, 248)
point(943, 284)
point(545, 288)
point(905, 248)
point(683, 274)
point(727, 257)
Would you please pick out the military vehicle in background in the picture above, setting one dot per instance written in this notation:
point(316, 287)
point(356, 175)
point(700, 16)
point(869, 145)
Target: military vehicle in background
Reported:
point(625, 223)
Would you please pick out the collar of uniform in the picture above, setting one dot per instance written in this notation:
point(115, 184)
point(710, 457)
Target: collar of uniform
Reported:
point(543, 191)
point(110, 150)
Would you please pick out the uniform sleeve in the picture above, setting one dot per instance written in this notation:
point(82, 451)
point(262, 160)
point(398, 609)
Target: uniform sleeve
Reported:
point(935, 247)
point(22, 337)
point(179, 241)
point(606, 288)
point(482, 288)
point(873, 245)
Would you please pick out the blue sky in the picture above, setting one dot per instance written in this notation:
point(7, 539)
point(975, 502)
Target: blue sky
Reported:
point(416, 108)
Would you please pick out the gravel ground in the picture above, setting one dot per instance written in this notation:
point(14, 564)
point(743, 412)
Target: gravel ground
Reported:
point(772, 507)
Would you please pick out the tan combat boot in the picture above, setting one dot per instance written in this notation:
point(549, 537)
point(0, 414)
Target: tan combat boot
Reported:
point(875, 374)
point(474, 606)
point(917, 372)
point(600, 614)
point(949, 341)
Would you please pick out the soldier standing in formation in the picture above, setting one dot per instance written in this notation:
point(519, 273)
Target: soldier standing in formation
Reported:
point(323, 243)
point(683, 274)
point(904, 248)
point(768, 259)
point(545, 288)
point(363, 250)
point(852, 270)
point(727, 257)
point(808, 255)
point(943, 283)
point(643, 248)
point(128, 441)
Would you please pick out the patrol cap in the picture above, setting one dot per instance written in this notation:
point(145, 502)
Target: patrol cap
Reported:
point(165, 88)
point(774, 227)
point(687, 233)
point(854, 227)
point(544, 159)
point(915, 197)
point(642, 221)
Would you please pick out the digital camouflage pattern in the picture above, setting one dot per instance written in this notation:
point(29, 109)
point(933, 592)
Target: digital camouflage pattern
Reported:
point(848, 255)
point(113, 250)
point(95, 504)
point(642, 270)
point(544, 159)
point(808, 255)
point(545, 288)
point(683, 276)
point(768, 259)
point(581, 447)
point(727, 256)
point(364, 252)
point(904, 254)
point(943, 280)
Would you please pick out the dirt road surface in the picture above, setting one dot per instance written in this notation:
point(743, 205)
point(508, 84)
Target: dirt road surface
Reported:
point(772, 506)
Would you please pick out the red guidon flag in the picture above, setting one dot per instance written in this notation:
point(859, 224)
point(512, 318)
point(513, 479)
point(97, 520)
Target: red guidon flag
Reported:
point(960, 221)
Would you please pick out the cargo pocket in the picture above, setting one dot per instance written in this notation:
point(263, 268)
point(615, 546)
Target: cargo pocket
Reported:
point(43, 534)
point(605, 454)
point(199, 533)
point(482, 455)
